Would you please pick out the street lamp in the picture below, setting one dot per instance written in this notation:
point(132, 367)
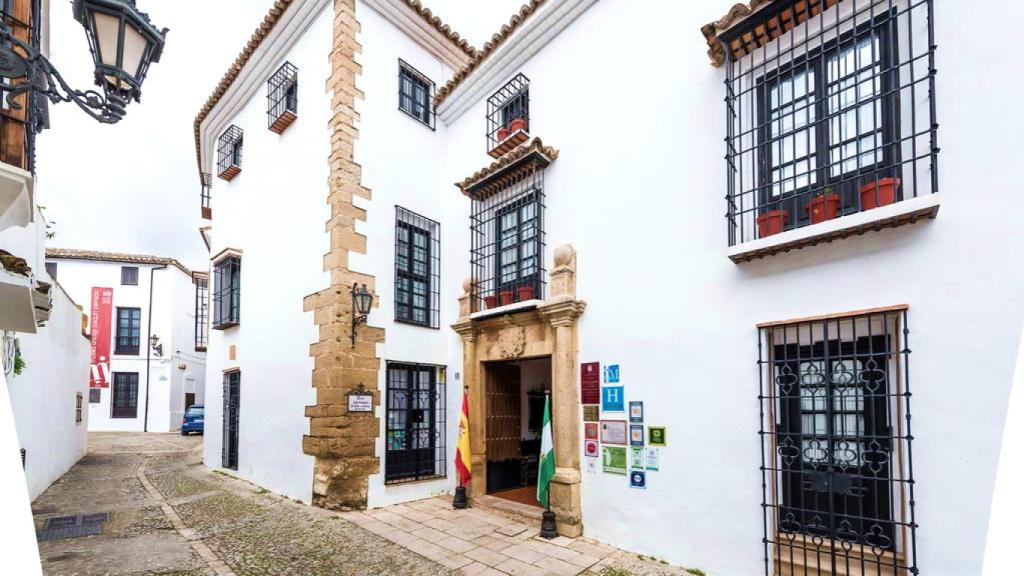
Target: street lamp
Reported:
point(362, 301)
point(123, 43)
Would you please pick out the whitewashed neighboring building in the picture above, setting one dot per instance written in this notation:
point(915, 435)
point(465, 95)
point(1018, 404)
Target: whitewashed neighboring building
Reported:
point(772, 310)
point(147, 321)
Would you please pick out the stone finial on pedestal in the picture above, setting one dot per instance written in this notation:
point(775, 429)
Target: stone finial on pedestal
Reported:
point(466, 300)
point(563, 275)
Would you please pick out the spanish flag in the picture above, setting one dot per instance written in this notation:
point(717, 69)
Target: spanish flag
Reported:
point(462, 445)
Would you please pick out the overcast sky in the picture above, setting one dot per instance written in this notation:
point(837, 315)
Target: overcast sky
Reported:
point(132, 187)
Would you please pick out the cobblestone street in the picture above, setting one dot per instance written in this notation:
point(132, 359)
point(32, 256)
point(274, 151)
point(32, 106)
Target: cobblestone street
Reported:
point(169, 515)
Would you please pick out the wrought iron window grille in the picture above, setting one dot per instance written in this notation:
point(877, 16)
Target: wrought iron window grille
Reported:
point(507, 245)
point(508, 116)
point(416, 94)
point(227, 295)
point(417, 269)
point(204, 195)
point(830, 111)
point(202, 313)
point(229, 153)
point(230, 417)
point(837, 471)
point(128, 337)
point(124, 399)
point(416, 431)
point(283, 98)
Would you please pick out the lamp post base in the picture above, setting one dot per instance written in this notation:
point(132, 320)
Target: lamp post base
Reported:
point(548, 528)
point(460, 502)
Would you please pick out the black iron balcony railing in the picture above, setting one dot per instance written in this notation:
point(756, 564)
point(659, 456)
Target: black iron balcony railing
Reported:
point(830, 112)
point(126, 345)
point(283, 98)
point(508, 116)
point(229, 153)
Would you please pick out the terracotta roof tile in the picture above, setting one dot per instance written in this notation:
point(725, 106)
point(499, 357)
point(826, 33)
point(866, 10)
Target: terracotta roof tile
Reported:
point(513, 157)
point(496, 40)
point(776, 25)
point(73, 254)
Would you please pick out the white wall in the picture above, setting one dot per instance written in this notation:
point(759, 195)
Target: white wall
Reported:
point(174, 305)
point(274, 212)
point(639, 191)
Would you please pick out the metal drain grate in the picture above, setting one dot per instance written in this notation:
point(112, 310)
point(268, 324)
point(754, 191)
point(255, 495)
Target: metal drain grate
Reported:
point(67, 527)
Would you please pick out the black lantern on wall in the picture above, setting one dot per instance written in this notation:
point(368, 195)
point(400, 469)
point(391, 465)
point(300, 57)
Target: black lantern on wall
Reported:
point(362, 301)
point(123, 43)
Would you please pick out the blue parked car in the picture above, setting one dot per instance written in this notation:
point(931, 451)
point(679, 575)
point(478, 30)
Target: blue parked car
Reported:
point(193, 420)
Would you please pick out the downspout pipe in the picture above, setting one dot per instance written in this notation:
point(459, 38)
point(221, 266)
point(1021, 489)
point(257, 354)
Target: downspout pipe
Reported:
point(149, 348)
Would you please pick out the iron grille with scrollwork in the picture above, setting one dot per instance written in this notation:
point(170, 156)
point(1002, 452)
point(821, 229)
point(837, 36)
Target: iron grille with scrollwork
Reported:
point(836, 454)
point(415, 443)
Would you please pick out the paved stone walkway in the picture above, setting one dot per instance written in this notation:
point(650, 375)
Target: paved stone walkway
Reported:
point(170, 515)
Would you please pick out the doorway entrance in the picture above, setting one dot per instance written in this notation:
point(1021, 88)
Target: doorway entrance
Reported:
point(515, 414)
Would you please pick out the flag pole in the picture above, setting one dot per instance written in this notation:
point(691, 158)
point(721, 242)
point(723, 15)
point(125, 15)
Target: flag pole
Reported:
point(460, 502)
point(548, 527)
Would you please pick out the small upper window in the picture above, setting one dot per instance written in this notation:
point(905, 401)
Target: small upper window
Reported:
point(229, 153)
point(283, 98)
point(129, 276)
point(508, 116)
point(415, 94)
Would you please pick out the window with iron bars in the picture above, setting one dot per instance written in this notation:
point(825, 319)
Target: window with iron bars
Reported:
point(227, 294)
point(129, 331)
point(232, 398)
point(229, 153)
point(202, 312)
point(20, 123)
point(124, 398)
point(204, 196)
point(416, 423)
point(830, 112)
point(836, 446)
point(507, 240)
point(417, 269)
point(283, 98)
point(415, 94)
point(508, 116)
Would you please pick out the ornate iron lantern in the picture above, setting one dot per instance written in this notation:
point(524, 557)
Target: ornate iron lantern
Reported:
point(362, 301)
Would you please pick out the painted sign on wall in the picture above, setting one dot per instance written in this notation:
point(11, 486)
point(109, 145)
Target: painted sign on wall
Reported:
point(590, 383)
point(100, 316)
point(613, 459)
point(613, 399)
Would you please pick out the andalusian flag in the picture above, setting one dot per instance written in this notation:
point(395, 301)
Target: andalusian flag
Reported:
point(462, 445)
point(547, 457)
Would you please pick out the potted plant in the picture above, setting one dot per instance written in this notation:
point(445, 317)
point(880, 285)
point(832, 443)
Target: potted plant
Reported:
point(771, 222)
point(517, 124)
point(502, 134)
point(506, 297)
point(878, 193)
point(824, 206)
point(525, 293)
point(491, 301)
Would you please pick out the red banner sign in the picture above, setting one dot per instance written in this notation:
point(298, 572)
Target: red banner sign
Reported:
point(590, 383)
point(100, 316)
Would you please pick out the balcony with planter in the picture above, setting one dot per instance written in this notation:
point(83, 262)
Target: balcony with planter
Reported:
point(508, 117)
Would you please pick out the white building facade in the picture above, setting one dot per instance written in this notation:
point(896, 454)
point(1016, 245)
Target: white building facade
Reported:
point(804, 321)
point(146, 319)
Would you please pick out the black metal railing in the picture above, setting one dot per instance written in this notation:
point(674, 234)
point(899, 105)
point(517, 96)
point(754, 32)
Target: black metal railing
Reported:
point(836, 462)
point(508, 115)
point(416, 94)
point(229, 153)
point(20, 122)
point(417, 269)
point(126, 345)
point(283, 98)
point(830, 111)
point(415, 444)
point(507, 244)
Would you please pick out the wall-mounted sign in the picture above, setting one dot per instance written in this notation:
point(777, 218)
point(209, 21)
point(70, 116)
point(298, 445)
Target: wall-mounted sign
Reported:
point(591, 413)
point(613, 459)
point(638, 480)
point(636, 458)
point(653, 458)
point(657, 435)
point(591, 465)
point(590, 383)
point(360, 400)
point(613, 399)
point(636, 434)
point(613, 432)
point(590, 448)
point(611, 374)
point(636, 412)
point(102, 311)
point(590, 431)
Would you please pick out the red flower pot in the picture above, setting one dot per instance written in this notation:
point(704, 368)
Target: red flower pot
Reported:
point(517, 124)
point(824, 207)
point(506, 297)
point(771, 223)
point(502, 134)
point(525, 293)
point(491, 301)
point(882, 193)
